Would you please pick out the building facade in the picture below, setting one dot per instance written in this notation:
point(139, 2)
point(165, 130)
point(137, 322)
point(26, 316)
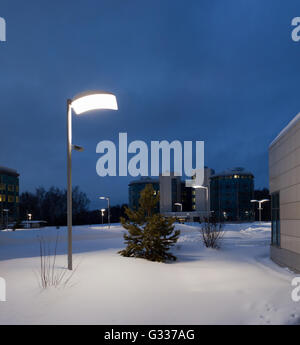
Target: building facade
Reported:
point(231, 192)
point(284, 170)
point(201, 196)
point(170, 192)
point(186, 198)
point(135, 187)
point(9, 195)
point(175, 198)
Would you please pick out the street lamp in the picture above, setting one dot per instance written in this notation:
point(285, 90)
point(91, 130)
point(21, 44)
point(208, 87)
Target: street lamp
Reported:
point(178, 204)
point(260, 202)
point(108, 208)
point(29, 216)
point(102, 213)
point(81, 103)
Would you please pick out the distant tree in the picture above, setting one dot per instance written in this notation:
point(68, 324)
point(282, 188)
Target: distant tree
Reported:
point(80, 201)
point(150, 235)
point(28, 203)
point(51, 205)
point(212, 233)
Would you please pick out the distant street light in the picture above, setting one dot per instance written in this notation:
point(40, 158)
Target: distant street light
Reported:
point(81, 103)
point(102, 213)
point(29, 216)
point(260, 202)
point(108, 208)
point(178, 204)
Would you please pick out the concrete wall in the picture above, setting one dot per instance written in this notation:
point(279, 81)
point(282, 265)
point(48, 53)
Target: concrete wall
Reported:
point(284, 170)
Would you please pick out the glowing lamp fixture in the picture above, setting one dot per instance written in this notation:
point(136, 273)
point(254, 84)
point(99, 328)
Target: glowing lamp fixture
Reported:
point(260, 202)
point(94, 100)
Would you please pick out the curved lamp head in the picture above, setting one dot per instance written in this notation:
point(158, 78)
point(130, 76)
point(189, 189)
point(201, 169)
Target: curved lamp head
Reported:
point(93, 100)
point(199, 187)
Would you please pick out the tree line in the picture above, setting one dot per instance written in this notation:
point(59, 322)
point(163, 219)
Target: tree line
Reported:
point(51, 206)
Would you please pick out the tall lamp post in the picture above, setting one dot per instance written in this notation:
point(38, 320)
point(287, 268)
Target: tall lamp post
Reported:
point(108, 208)
point(260, 202)
point(84, 102)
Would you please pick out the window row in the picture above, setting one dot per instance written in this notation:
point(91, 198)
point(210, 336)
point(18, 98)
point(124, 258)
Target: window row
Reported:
point(10, 187)
point(10, 198)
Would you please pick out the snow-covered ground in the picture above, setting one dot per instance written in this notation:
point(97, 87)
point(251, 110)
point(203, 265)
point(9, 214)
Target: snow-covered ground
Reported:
point(237, 284)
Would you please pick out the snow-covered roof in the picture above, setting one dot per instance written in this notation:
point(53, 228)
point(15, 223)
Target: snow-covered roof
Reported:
point(233, 171)
point(8, 171)
point(291, 124)
point(144, 180)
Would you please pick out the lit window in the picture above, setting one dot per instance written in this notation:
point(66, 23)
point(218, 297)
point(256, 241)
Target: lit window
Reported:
point(10, 188)
point(17, 188)
point(2, 186)
point(236, 176)
point(3, 198)
point(10, 198)
point(17, 199)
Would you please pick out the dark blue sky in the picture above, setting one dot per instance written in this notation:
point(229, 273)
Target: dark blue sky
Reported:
point(226, 72)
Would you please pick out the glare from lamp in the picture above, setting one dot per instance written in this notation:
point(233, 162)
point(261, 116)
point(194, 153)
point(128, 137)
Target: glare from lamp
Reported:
point(94, 101)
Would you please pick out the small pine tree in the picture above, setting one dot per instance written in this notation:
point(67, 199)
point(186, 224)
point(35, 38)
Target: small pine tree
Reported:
point(150, 235)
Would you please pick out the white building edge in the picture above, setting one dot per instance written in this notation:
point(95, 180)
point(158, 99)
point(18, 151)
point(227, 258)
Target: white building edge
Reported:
point(284, 174)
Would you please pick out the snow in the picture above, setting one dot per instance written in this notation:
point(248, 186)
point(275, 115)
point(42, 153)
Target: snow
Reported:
point(237, 284)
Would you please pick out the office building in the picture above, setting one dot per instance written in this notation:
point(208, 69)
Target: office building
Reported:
point(9, 195)
point(175, 198)
point(170, 192)
point(201, 196)
point(231, 192)
point(284, 170)
point(186, 198)
point(135, 188)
